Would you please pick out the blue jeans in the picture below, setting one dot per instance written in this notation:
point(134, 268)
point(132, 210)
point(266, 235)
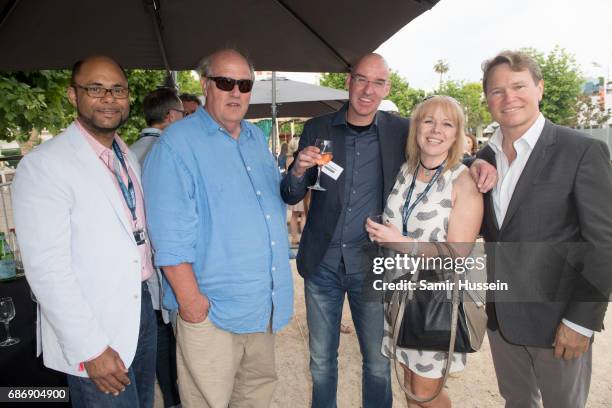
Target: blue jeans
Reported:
point(325, 291)
point(140, 393)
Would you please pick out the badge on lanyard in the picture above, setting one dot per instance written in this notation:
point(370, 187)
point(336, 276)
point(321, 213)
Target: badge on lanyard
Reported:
point(140, 236)
point(128, 193)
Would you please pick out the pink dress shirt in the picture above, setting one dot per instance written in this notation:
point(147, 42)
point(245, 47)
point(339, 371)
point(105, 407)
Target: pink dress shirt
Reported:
point(107, 156)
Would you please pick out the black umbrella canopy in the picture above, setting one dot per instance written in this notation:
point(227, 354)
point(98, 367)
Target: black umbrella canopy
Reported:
point(281, 35)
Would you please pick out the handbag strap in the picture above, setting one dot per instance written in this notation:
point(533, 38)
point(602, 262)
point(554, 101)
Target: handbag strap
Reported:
point(453, 336)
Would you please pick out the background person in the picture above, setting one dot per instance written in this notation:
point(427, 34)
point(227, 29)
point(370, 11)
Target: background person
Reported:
point(297, 219)
point(161, 108)
point(282, 157)
point(471, 146)
point(190, 103)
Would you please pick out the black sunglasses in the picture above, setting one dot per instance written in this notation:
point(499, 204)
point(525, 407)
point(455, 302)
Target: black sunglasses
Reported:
point(227, 84)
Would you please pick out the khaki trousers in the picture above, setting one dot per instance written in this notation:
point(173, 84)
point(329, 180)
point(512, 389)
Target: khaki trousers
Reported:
point(218, 369)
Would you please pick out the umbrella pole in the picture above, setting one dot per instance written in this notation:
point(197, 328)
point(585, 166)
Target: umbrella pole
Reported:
point(171, 80)
point(153, 6)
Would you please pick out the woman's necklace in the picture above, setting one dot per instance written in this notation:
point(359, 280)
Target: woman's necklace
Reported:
point(428, 170)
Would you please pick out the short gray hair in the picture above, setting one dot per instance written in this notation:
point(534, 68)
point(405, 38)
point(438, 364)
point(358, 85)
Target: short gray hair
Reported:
point(158, 103)
point(205, 65)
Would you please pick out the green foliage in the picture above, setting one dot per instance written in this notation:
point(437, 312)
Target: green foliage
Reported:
point(400, 93)
point(188, 83)
point(441, 67)
point(471, 98)
point(141, 83)
point(336, 80)
point(285, 128)
point(37, 100)
point(403, 95)
point(33, 100)
point(562, 84)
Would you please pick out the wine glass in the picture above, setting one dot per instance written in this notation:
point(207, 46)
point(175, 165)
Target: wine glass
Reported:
point(325, 149)
point(7, 312)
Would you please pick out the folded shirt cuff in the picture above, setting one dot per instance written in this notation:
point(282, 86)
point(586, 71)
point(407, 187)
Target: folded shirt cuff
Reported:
point(582, 330)
point(172, 259)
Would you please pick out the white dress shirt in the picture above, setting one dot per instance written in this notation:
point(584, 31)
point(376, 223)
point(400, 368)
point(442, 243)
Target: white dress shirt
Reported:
point(508, 175)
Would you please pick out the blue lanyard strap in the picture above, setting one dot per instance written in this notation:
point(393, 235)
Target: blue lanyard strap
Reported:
point(128, 192)
point(407, 209)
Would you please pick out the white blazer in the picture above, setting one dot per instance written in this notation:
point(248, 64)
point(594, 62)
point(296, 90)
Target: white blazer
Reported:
point(79, 253)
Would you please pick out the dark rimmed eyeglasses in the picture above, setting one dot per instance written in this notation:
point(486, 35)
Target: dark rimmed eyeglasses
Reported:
point(97, 91)
point(227, 84)
point(361, 81)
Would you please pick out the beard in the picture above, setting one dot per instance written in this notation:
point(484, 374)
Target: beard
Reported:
point(95, 125)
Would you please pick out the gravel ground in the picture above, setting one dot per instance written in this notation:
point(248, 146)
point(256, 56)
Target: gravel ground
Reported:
point(473, 388)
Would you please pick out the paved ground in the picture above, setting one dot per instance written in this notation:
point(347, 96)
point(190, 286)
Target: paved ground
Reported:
point(474, 388)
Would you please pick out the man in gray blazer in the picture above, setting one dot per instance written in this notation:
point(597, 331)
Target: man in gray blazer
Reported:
point(550, 219)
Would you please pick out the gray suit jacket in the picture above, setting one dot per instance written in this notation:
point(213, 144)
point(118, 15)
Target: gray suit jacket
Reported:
point(554, 248)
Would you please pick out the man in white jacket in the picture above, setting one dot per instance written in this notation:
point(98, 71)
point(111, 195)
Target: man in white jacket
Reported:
point(79, 217)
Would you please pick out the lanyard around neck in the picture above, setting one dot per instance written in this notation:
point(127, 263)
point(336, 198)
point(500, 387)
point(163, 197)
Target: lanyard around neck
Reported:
point(128, 192)
point(407, 209)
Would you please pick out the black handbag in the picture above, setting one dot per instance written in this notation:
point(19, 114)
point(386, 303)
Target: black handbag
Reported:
point(426, 321)
point(429, 320)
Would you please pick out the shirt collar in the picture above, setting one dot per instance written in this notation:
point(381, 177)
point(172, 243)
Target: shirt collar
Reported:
point(99, 149)
point(212, 126)
point(339, 117)
point(150, 131)
point(530, 137)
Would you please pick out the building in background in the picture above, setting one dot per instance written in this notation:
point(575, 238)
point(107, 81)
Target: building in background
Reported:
point(598, 112)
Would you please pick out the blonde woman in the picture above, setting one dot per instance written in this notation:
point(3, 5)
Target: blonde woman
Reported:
point(434, 200)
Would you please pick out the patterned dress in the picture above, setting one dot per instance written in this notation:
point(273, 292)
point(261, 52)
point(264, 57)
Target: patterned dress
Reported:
point(427, 223)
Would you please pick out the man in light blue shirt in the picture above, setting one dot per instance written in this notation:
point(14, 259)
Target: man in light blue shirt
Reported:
point(217, 223)
point(161, 108)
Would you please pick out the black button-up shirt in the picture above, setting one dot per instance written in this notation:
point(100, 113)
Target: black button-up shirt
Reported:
point(363, 191)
